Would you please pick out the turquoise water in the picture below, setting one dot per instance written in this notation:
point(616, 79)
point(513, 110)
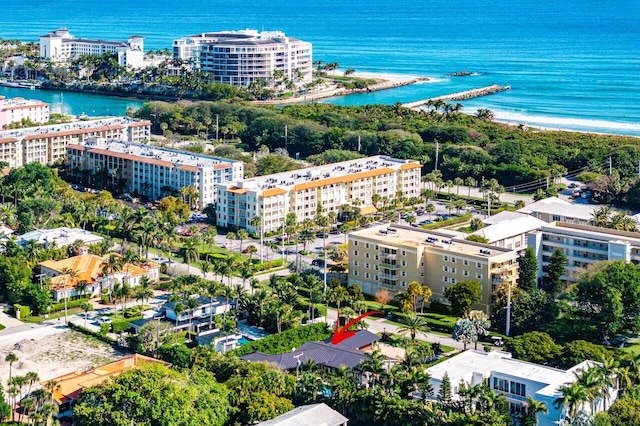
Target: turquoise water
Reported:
point(243, 341)
point(571, 64)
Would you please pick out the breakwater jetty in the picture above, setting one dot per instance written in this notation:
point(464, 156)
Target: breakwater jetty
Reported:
point(460, 96)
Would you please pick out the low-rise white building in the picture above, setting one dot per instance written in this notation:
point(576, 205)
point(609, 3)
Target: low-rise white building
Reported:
point(150, 171)
point(554, 209)
point(15, 110)
point(510, 233)
point(204, 309)
point(61, 46)
point(583, 245)
point(59, 237)
point(330, 187)
point(516, 379)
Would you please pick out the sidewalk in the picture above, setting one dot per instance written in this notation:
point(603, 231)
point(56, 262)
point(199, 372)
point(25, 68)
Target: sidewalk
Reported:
point(7, 320)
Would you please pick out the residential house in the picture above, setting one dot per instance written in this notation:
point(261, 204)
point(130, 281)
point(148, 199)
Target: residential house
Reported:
point(309, 415)
point(516, 379)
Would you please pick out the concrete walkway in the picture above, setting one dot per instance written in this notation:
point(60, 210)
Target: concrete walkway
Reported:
point(7, 320)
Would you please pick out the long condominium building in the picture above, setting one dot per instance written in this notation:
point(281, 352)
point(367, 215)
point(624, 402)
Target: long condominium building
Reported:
point(583, 245)
point(18, 109)
point(392, 256)
point(60, 46)
point(330, 187)
point(48, 144)
point(242, 57)
point(151, 171)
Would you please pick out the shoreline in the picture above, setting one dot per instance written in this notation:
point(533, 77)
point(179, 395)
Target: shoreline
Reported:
point(385, 82)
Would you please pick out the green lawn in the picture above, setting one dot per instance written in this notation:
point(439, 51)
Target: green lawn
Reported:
point(52, 315)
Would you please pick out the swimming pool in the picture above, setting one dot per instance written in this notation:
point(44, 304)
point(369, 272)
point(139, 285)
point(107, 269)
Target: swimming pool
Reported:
point(243, 341)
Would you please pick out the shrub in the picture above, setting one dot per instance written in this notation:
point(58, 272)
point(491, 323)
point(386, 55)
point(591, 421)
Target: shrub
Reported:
point(21, 311)
point(287, 340)
point(122, 325)
point(70, 304)
point(269, 265)
point(452, 221)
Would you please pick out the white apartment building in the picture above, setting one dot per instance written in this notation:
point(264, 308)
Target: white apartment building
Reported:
point(48, 144)
point(302, 191)
point(61, 46)
point(149, 170)
point(509, 230)
point(554, 209)
point(583, 245)
point(392, 256)
point(515, 379)
point(242, 57)
point(17, 109)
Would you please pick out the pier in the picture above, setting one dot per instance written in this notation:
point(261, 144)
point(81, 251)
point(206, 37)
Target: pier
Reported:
point(459, 96)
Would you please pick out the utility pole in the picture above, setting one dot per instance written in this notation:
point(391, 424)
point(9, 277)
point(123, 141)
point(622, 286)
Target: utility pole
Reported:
point(437, 150)
point(217, 127)
point(508, 327)
point(610, 166)
point(286, 137)
point(359, 144)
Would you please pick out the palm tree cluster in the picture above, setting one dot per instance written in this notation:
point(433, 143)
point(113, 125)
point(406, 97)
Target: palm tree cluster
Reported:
point(607, 217)
point(38, 405)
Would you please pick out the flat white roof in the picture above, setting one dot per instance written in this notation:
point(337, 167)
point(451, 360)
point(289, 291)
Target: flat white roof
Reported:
point(504, 215)
point(61, 236)
point(156, 153)
point(64, 127)
point(398, 235)
point(286, 180)
point(558, 207)
point(463, 365)
point(510, 228)
point(538, 204)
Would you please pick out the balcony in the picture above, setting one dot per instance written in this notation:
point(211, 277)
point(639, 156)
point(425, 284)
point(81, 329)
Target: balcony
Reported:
point(389, 256)
point(386, 265)
point(384, 276)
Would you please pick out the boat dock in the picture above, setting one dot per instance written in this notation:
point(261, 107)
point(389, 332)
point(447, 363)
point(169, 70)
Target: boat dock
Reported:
point(459, 96)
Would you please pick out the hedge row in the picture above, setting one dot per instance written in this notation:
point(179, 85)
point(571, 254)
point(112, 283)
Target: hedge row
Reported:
point(70, 304)
point(452, 221)
point(119, 326)
point(100, 336)
point(21, 311)
point(269, 265)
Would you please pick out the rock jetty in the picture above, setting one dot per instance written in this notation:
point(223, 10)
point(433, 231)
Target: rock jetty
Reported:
point(459, 96)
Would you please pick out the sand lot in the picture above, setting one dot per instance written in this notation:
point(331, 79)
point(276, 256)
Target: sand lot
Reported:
point(54, 354)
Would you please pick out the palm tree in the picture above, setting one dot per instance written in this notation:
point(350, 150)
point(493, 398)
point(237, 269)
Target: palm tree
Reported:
point(190, 252)
point(86, 307)
point(10, 358)
point(533, 407)
point(109, 267)
point(573, 396)
point(192, 304)
point(601, 216)
point(70, 275)
point(179, 309)
point(413, 324)
point(256, 223)
point(81, 288)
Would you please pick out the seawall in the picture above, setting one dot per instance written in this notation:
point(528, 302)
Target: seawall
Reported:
point(459, 96)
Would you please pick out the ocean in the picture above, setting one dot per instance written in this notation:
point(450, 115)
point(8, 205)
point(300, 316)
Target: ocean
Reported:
point(573, 64)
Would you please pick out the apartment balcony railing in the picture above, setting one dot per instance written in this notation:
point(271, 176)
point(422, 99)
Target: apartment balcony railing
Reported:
point(387, 276)
point(389, 256)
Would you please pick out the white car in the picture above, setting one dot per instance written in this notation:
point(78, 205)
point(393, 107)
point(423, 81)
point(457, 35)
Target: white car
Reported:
point(103, 320)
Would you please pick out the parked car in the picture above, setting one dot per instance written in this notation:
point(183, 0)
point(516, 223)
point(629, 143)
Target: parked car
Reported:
point(103, 320)
point(335, 232)
point(322, 235)
point(317, 262)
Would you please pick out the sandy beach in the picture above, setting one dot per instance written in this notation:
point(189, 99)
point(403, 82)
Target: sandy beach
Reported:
point(384, 81)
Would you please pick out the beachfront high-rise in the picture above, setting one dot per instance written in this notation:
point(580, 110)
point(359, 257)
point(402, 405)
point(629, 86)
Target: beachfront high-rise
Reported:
point(242, 57)
point(152, 171)
point(61, 46)
point(331, 187)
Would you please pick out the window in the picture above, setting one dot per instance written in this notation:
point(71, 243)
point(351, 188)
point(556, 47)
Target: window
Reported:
point(518, 388)
point(366, 245)
point(501, 384)
point(445, 269)
point(355, 273)
point(453, 280)
point(355, 243)
point(366, 255)
point(453, 260)
point(404, 253)
point(404, 273)
point(366, 275)
point(445, 258)
point(465, 273)
point(478, 265)
point(465, 262)
point(355, 252)
point(445, 279)
point(355, 263)
point(366, 266)
point(453, 270)
point(404, 263)
point(478, 276)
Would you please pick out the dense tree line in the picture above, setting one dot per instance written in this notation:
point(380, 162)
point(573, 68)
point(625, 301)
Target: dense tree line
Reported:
point(469, 146)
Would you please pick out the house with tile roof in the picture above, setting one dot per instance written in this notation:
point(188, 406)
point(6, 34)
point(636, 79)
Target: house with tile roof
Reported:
point(71, 385)
point(89, 268)
point(324, 354)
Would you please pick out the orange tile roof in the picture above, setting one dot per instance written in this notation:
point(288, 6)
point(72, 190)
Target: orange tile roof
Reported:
point(236, 190)
point(89, 269)
point(140, 124)
point(12, 107)
point(370, 209)
point(273, 191)
point(189, 168)
point(72, 384)
point(8, 140)
point(343, 179)
point(410, 166)
point(88, 130)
